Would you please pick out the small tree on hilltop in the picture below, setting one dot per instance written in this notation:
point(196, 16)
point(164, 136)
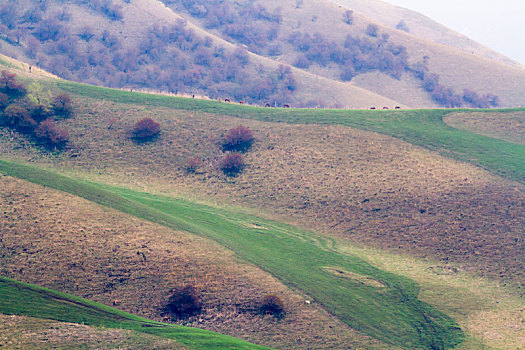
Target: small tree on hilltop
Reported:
point(145, 129)
point(238, 139)
point(184, 302)
point(372, 30)
point(348, 17)
point(48, 133)
point(232, 164)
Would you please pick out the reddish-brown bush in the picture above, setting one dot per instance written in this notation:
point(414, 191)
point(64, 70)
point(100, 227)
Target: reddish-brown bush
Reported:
point(232, 164)
point(49, 134)
point(62, 105)
point(193, 164)
point(272, 304)
point(9, 85)
point(18, 117)
point(184, 302)
point(145, 129)
point(238, 139)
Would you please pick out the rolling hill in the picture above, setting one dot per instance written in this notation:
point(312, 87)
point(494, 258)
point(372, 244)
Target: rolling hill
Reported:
point(263, 52)
point(401, 228)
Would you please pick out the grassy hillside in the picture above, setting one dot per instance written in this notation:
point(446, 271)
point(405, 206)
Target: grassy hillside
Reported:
point(387, 309)
point(29, 300)
point(23, 332)
point(424, 128)
point(317, 169)
point(66, 243)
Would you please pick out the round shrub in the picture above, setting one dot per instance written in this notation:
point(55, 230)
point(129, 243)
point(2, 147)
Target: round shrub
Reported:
point(232, 164)
point(145, 129)
point(49, 134)
point(238, 139)
point(19, 118)
point(184, 302)
point(272, 304)
point(62, 105)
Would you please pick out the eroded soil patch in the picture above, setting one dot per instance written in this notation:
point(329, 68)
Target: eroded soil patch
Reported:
point(354, 276)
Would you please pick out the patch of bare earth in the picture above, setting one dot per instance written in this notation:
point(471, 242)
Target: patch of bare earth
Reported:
point(20, 332)
point(508, 126)
point(362, 186)
point(63, 242)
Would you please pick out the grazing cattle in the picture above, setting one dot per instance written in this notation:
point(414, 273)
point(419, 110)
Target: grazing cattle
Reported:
point(397, 107)
point(192, 96)
point(241, 102)
point(267, 105)
point(372, 108)
point(385, 107)
point(286, 106)
point(227, 100)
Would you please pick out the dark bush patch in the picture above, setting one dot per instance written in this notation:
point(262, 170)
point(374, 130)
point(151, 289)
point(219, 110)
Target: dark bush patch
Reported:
point(50, 135)
point(272, 304)
point(18, 117)
point(145, 129)
point(238, 139)
point(184, 302)
point(62, 105)
point(10, 86)
point(232, 164)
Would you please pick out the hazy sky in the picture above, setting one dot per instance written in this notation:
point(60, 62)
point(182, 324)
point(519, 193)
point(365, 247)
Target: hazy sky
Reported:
point(498, 24)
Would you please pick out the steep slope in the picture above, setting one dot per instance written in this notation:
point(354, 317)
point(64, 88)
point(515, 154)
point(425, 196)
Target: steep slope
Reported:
point(311, 34)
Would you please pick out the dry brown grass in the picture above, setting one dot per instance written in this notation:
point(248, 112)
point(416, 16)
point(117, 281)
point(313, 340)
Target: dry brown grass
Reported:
point(65, 243)
point(359, 185)
point(509, 126)
point(20, 332)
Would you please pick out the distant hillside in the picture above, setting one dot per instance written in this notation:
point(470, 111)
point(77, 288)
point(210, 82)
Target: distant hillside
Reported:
point(275, 53)
point(421, 26)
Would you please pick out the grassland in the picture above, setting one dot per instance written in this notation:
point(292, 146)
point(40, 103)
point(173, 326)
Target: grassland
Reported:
point(392, 314)
point(424, 128)
point(508, 126)
point(59, 241)
point(29, 300)
point(23, 332)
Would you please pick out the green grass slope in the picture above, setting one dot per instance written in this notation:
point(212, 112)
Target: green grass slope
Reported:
point(380, 304)
point(424, 128)
point(19, 298)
